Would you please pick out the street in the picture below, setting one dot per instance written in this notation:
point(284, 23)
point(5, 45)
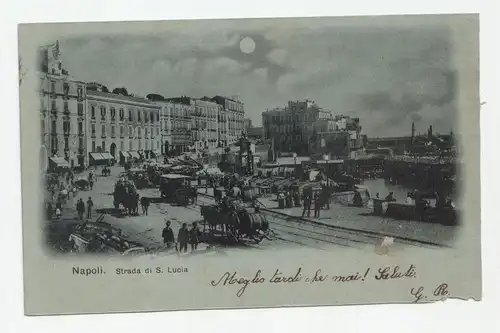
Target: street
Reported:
point(339, 227)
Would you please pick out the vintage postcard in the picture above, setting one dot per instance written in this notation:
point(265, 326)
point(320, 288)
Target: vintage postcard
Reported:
point(204, 164)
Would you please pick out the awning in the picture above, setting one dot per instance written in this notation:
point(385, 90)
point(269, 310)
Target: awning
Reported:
point(97, 157)
point(125, 154)
point(134, 154)
point(107, 156)
point(60, 162)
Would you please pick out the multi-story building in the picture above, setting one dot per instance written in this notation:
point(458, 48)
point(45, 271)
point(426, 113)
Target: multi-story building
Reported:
point(181, 110)
point(247, 124)
point(62, 110)
point(290, 127)
point(123, 126)
point(234, 113)
point(205, 123)
point(338, 136)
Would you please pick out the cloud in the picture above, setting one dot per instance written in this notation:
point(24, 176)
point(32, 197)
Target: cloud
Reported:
point(389, 76)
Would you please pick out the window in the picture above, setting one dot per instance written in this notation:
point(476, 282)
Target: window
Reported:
point(80, 143)
point(66, 143)
point(103, 112)
point(147, 145)
point(80, 109)
point(152, 117)
point(53, 106)
point(113, 113)
point(93, 146)
point(140, 145)
point(42, 128)
point(130, 145)
point(139, 132)
point(66, 127)
point(158, 116)
point(157, 131)
point(121, 145)
point(146, 132)
point(92, 111)
point(54, 127)
point(66, 107)
point(121, 131)
point(66, 89)
point(122, 114)
point(103, 146)
point(129, 115)
point(53, 86)
point(93, 129)
point(130, 131)
point(103, 131)
point(112, 131)
point(138, 115)
point(79, 92)
point(157, 144)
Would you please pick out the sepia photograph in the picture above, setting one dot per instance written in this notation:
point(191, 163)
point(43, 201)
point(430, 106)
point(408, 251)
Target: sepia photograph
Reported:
point(201, 139)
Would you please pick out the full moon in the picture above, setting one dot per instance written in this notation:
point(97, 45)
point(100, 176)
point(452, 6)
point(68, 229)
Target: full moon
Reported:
point(247, 45)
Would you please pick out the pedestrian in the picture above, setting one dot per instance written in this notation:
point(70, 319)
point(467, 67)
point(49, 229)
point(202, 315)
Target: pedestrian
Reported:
point(50, 211)
point(58, 213)
point(168, 235)
point(307, 205)
point(317, 205)
point(183, 238)
point(80, 208)
point(145, 205)
point(90, 204)
point(194, 237)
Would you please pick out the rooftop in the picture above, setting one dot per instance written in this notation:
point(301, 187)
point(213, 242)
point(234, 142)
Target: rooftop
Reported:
point(120, 97)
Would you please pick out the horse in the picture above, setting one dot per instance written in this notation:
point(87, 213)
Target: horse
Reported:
point(227, 221)
point(145, 205)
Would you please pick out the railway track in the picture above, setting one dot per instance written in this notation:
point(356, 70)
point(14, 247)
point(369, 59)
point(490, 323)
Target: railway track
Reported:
point(305, 231)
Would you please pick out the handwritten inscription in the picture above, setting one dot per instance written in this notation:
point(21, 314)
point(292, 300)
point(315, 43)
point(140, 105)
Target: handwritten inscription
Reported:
point(395, 272)
point(319, 276)
point(419, 294)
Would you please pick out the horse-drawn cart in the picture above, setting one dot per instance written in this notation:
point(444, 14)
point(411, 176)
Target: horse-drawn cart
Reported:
point(235, 222)
point(176, 188)
point(82, 184)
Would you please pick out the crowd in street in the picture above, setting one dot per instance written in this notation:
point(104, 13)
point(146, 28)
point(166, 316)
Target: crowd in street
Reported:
point(184, 236)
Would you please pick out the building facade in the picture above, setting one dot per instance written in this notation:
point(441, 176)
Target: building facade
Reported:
point(205, 123)
point(62, 109)
point(181, 111)
point(290, 128)
point(123, 126)
point(233, 111)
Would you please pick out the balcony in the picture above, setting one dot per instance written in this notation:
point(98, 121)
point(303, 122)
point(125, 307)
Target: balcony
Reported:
point(93, 136)
point(81, 134)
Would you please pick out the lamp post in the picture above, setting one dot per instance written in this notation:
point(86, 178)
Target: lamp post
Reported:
point(326, 158)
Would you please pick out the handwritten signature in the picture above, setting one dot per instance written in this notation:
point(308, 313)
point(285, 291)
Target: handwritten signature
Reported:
point(419, 293)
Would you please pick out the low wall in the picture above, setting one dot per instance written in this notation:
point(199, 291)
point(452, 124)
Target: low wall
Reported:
point(404, 211)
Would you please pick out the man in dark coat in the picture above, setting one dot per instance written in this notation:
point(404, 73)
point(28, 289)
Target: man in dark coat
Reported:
point(90, 204)
point(168, 235)
point(307, 205)
point(183, 238)
point(194, 237)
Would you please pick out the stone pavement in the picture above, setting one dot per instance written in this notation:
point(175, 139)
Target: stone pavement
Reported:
point(145, 229)
point(361, 219)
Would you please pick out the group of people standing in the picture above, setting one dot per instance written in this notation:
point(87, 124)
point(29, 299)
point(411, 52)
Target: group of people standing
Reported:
point(184, 236)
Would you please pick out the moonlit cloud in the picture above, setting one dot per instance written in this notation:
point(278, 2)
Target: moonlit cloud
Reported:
point(388, 75)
